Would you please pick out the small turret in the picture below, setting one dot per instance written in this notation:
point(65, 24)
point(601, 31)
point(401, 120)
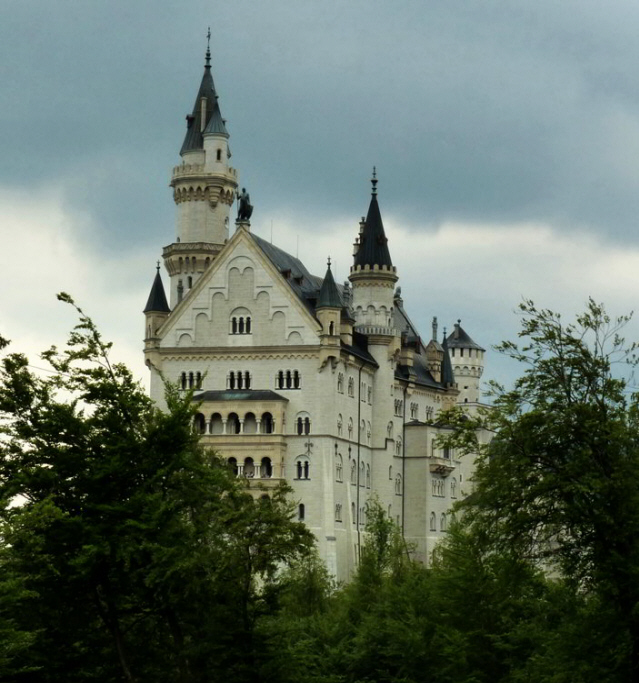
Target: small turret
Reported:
point(156, 310)
point(467, 359)
point(329, 308)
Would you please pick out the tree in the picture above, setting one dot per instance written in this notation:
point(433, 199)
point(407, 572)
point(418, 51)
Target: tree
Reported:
point(137, 554)
point(559, 483)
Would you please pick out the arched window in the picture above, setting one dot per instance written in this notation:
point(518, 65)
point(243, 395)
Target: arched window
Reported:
point(190, 281)
point(390, 472)
point(340, 383)
point(200, 423)
point(368, 476)
point(190, 380)
point(389, 430)
point(240, 380)
point(442, 522)
point(453, 488)
point(240, 326)
point(361, 474)
point(301, 512)
point(398, 446)
point(302, 467)
point(231, 380)
point(338, 512)
point(233, 325)
point(247, 380)
point(198, 380)
point(288, 379)
point(249, 468)
point(267, 423)
point(350, 427)
point(240, 321)
point(303, 424)
point(248, 325)
point(339, 425)
point(368, 433)
point(351, 387)
point(331, 328)
point(233, 424)
point(398, 485)
point(353, 472)
point(433, 521)
point(339, 465)
point(266, 468)
point(296, 379)
point(279, 380)
point(184, 380)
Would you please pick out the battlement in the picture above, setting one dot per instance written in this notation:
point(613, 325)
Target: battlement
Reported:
point(375, 269)
point(194, 171)
point(377, 330)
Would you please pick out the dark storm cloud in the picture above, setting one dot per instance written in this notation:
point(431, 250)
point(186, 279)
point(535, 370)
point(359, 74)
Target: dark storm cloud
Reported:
point(477, 111)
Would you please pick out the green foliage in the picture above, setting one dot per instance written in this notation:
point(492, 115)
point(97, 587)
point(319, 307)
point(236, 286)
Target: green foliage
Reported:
point(128, 551)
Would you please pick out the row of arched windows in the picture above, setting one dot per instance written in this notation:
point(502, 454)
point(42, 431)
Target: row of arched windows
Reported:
point(238, 380)
point(234, 424)
point(303, 425)
point(364, 474)
point(288, 379)
point(439, 487)
point(249, 469)
point(191, 380)
point(442, 522)
point(241, 324)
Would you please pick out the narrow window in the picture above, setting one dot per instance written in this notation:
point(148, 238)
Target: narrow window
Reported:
point(190, 281)
point(300, 425)
point(331, 328)
point(184, 380)
point(280, 379)
point(247, 380)
point(190, 380)
point(296, 380)
point(288, 379)
point(241, 325)
point(234, 326)
point(198, 380)
point(219, 155)
point(248, 325)
point(306, 466)
point(307, 425)
point(300, 512)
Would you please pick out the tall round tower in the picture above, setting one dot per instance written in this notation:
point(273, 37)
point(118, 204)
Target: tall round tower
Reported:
point(204, 187)
point(468, 363)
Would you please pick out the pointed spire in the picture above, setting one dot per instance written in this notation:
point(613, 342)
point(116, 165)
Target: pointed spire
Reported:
point(329, 296)
point(460, 339)
point(156, 302)
point(213, 121)
point(448, 376)
point(373, 244)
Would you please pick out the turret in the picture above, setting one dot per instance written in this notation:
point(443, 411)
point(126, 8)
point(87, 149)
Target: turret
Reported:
point(156, 310)
point(329, 307)
point(204, 187)
point(372, 274)
point(467, 359)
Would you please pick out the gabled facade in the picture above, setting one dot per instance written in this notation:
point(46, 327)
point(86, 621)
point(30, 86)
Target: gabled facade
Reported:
point(329, 387)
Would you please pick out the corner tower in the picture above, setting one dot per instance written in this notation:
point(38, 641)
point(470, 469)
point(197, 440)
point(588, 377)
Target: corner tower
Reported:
point(204, 187)
point(468, 363)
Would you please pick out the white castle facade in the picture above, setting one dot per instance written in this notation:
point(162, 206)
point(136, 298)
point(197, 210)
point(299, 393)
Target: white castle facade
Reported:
point(328, 387)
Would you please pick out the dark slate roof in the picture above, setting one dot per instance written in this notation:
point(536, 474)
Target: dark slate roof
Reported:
point(359, 348)
point(373, 244)
point(418, 373)
point(329, 296)
point(403, 323)
point(459, 339)
point(448, 376)
point(157, 298)
point(239, 395)
point(193, 139)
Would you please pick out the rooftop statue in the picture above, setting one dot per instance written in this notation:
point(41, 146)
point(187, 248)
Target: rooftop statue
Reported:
point(244, 206)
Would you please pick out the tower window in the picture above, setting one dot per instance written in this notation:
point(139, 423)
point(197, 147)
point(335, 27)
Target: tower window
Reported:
point(219, 155)
point(302, 468)
point(301, 512)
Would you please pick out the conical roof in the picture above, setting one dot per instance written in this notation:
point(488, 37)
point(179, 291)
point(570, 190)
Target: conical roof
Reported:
point(460, 339)
point(373, 243)
point(157, 302)
point(448, 376)
point(329, 296)
point(193, 139)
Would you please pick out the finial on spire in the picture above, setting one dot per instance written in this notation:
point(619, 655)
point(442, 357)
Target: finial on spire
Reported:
point(208, 48)
point(374, 182)
point(329, 262)
point(158, 266)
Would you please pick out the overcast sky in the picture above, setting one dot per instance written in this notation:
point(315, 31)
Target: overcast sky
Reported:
point(505, 135)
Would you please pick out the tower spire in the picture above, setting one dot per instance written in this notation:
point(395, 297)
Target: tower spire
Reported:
point(374, 182)
point(207, 64)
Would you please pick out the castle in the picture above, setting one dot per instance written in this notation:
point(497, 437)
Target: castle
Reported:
point(328, 387)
